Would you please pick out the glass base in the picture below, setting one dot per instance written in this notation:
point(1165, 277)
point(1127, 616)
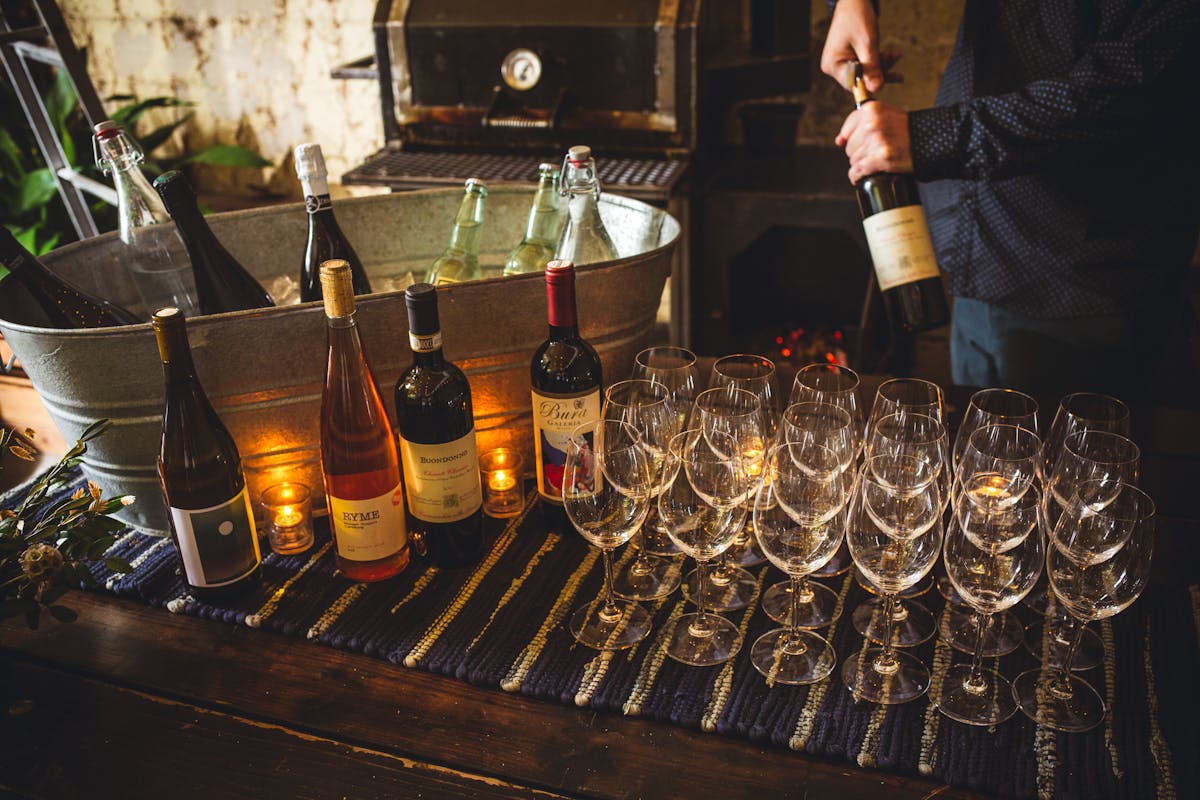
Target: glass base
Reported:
point(793, 658)
point(916, 590)
point(715, 642)
point(1002, 635)
point(988, 701)
point(1089, 654)
point(626, 626)
point(900, 681)
point(816, 611)
point(648, 577)
point(1071, 708)
point(727, 592)
point(838, 565)
point(911, 625)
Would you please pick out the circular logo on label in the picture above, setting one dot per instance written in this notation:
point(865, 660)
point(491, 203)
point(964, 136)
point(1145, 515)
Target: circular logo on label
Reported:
point(579, 403)
point(311, 203)
point(225, 528)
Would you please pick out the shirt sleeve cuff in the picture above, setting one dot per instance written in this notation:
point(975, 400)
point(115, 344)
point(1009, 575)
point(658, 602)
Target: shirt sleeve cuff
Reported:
point(933, 135)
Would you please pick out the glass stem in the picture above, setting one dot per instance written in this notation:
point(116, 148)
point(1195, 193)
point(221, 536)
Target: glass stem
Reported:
point(975, 678)
point(1060, 684)
point(610, 600)
point(701, 611)
point(795, 641)
point(886, 661)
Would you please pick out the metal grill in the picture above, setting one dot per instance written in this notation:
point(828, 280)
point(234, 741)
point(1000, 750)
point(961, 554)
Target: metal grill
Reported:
point(648, 178)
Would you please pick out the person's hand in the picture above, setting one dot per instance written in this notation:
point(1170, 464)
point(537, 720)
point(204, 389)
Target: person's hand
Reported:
point(853, 36)
point(876, 140)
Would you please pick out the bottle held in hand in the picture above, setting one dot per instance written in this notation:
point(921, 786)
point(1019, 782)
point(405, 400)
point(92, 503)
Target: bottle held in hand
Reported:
point(584, 239)
point(536, 249)
point(325, 238)
point(460, 260)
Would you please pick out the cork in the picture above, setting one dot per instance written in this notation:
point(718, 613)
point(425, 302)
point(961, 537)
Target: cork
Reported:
point(858, 86)
point(579, 154)
point(337, 287)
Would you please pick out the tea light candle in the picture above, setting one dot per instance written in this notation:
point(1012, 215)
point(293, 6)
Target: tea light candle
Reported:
point(501, 481)
point(501, 470)
point(289, 517)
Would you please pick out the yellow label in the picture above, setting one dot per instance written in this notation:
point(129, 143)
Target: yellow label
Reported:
point(554, 417)
point(367, 530)
point(900, 246)
point(442, 480)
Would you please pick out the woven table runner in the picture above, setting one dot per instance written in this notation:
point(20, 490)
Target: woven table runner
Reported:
point(500, 624)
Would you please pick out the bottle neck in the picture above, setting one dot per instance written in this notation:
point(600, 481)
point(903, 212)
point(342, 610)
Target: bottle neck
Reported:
point(583, 209)
point(185, 210)
point(316, 194)
point(543, 217)
point(465, 237)
point(427, 349)
point(561, 307)
point(138, 205)
point(178, 367)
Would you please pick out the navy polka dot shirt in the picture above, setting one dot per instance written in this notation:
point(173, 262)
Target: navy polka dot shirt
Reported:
point(1060, 162)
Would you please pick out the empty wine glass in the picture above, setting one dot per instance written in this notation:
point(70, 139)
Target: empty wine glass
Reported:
point(703, 504)
point(606, 493)
point(904, 396)
point(993, 555)
point(1082, 411)
point(894, 531)
point(994, 407)
point(835, 385)
point(798, 525)
point(1091, 581)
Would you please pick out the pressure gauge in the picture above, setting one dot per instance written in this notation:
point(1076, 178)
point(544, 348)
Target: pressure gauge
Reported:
point(521, 69)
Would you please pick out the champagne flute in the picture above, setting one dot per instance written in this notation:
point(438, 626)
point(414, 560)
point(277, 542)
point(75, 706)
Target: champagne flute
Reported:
point(1091, 580)
point(606, 493)
point(644, 405)
point(703, 504)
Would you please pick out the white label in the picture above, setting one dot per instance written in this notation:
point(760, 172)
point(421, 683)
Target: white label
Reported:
point(442, 479)
point(425, 342)
point(554, 417)
point(900, 246)
point(367, 530)
point(219, 544)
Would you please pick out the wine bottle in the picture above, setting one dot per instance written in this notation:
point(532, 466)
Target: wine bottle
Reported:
point(64, 303)
point(201, 475)
point(358, 447)
point(325, 238)
point(584, 239)
point(437, 443)
point(566, 381)
point(460, 260)
point(154, 257)
point(541, 231)
point(901, 248)
point(222, 283)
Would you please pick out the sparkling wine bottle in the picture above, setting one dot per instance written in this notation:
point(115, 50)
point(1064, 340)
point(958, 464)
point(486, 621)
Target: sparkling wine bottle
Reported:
point(222, 283)
point(437, 443)
point(901, 248)
point(460, 260)
point(325, 238)
point(541, 231)
point(201, 475)
point(566, 380)
point(65, 305)
point(584, 239)
point(358, 447)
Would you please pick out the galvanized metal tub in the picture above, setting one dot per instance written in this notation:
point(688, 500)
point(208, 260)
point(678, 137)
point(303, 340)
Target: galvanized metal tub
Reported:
point(264, 369)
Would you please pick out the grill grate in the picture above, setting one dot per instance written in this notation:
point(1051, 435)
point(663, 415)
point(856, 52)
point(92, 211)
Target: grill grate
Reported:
point(406, 169)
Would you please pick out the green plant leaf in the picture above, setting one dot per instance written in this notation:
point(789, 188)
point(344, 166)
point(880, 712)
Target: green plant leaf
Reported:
point(61, 100)
point(227, 155)
point(92, 431)
point(28, 238)
point(63, 614)
point(10, 157)
point(154, 139)
point(35, 189)
point(118, 564)
point(126, 116)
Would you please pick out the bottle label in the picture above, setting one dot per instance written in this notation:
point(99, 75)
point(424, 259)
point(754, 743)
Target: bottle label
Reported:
point(554, 417)
point(317, 202)
point(900, 246)
point(442, 480)
point(425, 343)
point(219, 544)
point(367, 530)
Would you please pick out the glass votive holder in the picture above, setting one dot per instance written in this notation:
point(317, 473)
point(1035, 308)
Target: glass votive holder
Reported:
point(500, 470)
point(288, 510)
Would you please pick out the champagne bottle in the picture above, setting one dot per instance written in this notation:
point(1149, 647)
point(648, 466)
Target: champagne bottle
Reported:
point(584, 239)
point(460, 260)
point(566, 380)
point(65, 304)
point(222, 283)
point(901, 248)
point(437, 443)
point(541, 231)
point(358, 448)
point(154, 257)
point(202, 480)
point(325, 238)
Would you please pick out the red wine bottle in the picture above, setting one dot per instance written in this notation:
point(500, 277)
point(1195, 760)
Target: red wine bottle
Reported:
point(222, 283)
point(437, 443)
point(325, 238)
point(65, 305)
point(901, 248)
point(201, 476)
point(358, 448)
point(566, 380)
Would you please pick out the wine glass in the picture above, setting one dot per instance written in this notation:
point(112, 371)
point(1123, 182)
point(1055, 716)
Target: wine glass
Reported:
point(994, 407)
point(703, 504)
point(736, 414)
point(894, 532)
point(993, 556)
point(830, 427)
point(798, 525)
point(1082, 411)
point(904, 396)
point(1092, 581)
point(606, 493)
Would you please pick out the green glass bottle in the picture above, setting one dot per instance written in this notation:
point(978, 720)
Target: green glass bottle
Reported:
point(460, 260)
point(541, 232)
